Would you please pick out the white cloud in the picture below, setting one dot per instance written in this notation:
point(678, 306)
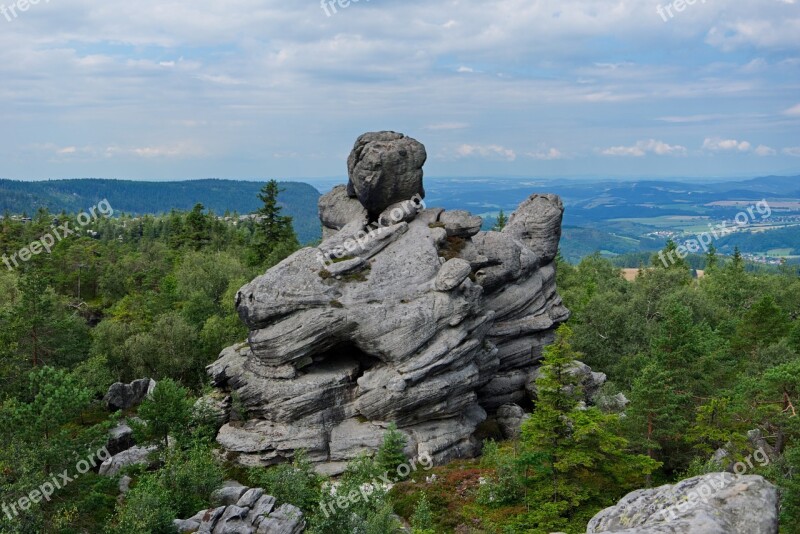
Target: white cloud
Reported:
point(792, 151)
point(715, 144)
point(793, 111)
point(546, 154)
point(447, 126)
point(486, 151)
point(642, 148)
point(763, 150)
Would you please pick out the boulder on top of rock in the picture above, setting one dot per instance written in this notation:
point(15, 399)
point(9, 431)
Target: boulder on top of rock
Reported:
point(385, 168)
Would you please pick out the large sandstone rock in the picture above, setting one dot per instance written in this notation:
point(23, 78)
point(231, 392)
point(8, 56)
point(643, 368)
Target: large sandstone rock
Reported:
point(717, 503)
point(426, 322)
point(385, 168)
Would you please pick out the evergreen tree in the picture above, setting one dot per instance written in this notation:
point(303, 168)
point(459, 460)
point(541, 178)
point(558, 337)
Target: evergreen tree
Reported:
point(501, 222)
point(274, 232)
point(390, 454)
point(711, 257)
point(573, 453)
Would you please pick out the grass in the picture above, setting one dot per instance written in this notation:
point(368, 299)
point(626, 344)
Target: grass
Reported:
point(453, 247)
point(452, 497)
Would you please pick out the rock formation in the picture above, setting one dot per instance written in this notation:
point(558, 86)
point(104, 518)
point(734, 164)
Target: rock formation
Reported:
point(717, 503)
point(241, 510)
point(125, 396)
point(403, 314)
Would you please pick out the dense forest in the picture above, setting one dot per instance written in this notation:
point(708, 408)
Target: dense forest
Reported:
point(140, 198)
point(703, 363)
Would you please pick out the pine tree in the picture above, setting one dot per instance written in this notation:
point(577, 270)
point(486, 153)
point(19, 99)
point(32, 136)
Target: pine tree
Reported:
point(572, 453)
point(390, 454)
point(274, 232)
point(501, 222)
point(711, 257)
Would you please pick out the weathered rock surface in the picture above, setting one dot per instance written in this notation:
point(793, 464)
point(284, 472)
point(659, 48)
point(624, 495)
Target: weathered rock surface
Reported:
point(241, 510)
point(717, 503)
point(133, 456)
point(510, 418)
point(590, 381)
point(124, 396)
point(384, 168)
point(427, 322)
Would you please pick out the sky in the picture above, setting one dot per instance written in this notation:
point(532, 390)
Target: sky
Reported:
point(253, 89)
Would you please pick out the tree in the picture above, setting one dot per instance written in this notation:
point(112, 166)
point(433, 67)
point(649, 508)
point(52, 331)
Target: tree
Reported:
point(670, 257)
point(274, 231)
point(501, 222)
point(422, 520)
point(711, 257)
point(573, 454)
point(390, 454)
point(167, 411)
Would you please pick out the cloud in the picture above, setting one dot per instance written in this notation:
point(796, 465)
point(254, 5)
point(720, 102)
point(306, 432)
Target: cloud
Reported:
point(715, 144)
point(447, 126)
point(763, 150)
point(642, 148)
point(486, 151)
point(546, 154)
point(792, 151)
point(793, 111)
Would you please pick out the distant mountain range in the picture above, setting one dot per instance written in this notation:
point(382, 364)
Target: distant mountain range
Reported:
point(613, 217)
point(133, 197)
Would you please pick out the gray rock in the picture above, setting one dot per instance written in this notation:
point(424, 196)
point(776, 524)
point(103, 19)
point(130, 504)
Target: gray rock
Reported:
point(125, 484)
point(385, 168)
point(120, 438)
point(287, 519)
point(510, 418)
point(125, 396)
point(210, 518)
point(186, 525)
point(590, 381)
point(133, 456)
point(459, 223)
point(227, 495)
point(250, 497)
point(336, 209)
point(452, 273)
point(393, 333)
point(717, 503)
point(537, 224)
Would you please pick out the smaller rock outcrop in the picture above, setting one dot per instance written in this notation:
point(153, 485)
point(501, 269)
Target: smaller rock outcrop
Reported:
point(133, 456)
point(716, 503)
point(125, 396)
point(241, 510)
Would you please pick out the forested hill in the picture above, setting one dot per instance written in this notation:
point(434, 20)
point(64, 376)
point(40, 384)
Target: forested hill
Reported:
point(299, 199)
